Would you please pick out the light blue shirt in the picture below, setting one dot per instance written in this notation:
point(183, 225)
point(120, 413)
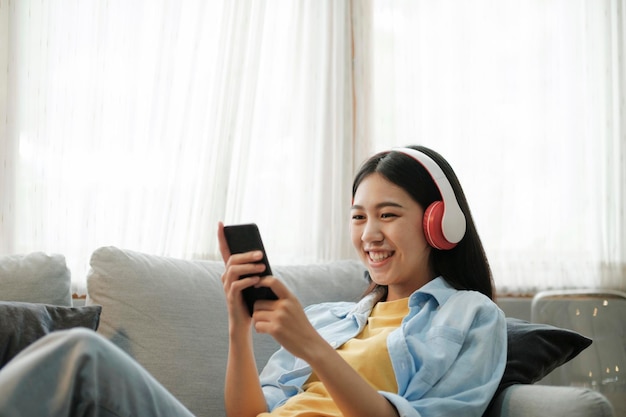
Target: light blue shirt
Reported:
point(448, 355)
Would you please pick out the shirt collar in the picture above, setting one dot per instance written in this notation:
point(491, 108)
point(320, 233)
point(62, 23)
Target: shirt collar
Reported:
point(438, 288)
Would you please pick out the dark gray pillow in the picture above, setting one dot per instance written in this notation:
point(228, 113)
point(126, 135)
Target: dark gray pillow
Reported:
point(534, 350)
point(23, 323)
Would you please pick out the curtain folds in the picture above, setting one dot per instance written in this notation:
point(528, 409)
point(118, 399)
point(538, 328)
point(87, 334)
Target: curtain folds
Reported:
point(142, 124)
point(527, 103)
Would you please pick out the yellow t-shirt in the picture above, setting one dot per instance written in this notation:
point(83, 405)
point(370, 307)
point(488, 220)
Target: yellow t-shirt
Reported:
point(367, 353)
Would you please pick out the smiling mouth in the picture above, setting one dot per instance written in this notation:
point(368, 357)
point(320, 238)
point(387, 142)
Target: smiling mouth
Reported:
point(379, 256)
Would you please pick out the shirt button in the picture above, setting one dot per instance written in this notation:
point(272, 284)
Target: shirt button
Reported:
point(333, 345)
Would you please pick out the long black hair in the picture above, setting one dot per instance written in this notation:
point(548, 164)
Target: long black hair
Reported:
point(465, 267)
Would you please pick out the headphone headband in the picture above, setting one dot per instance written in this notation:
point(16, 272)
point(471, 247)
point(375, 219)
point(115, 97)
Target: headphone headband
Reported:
point(453, 223)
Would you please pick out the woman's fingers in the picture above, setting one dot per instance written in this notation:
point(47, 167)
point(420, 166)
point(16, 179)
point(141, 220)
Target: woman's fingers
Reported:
point(276, 285)
point(236, 287)
point(236, 270)
point(238, 265)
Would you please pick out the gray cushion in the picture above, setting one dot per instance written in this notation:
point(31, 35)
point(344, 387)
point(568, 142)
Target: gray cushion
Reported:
point(170, 315)
point(36, 277)
point(553, 401)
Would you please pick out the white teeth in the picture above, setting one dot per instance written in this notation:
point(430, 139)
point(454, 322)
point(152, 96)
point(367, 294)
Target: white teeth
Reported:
point(379, 256)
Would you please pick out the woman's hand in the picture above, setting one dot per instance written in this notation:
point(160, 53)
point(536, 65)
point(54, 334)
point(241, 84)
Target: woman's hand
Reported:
point(284, 319)
point(235, 266)
point(243, 396)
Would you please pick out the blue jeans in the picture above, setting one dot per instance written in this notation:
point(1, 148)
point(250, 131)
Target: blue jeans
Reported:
point(79, 373)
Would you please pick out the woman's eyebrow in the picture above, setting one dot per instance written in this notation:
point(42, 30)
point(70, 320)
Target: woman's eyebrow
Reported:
point(378, 206)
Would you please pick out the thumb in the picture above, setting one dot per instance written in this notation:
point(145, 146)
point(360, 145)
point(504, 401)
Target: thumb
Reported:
point(276, 285)
point(221, 239)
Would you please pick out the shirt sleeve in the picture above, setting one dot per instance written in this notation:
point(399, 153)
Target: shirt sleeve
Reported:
point(272, 378)
point(453, 368)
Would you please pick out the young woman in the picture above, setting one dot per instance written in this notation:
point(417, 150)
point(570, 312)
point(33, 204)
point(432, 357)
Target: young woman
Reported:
point(427, 339)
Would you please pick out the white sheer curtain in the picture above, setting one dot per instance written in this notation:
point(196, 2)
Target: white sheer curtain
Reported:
point(141, 124)
point(526, 99)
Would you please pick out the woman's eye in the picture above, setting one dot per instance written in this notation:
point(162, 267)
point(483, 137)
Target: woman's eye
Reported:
point(388, 215)
point(357, 217)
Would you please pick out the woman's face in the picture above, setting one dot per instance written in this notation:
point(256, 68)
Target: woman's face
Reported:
point(386, 229)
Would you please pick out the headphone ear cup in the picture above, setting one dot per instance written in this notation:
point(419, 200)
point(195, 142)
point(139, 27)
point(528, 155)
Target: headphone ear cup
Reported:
point(432, 225)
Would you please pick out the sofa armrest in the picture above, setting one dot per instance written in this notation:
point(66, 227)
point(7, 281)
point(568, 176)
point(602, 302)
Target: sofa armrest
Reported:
point(546, 400)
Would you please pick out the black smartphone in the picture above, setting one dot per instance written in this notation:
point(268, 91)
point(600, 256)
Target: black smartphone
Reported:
point(245, 238)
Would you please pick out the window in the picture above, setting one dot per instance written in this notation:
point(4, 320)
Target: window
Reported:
point(141, 124)
point(526, 101)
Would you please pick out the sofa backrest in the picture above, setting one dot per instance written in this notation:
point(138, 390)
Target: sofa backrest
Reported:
point(35, 277)
point(170, 315)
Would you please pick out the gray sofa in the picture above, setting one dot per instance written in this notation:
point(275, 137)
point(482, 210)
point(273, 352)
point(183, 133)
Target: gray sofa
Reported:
point(170, 315)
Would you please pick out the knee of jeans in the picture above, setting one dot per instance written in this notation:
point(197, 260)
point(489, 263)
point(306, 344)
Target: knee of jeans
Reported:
point(82, 339)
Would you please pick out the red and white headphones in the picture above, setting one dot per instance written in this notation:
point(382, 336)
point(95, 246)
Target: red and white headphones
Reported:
point(444, 223)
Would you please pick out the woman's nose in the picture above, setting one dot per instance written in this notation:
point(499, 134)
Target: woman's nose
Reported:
point(372, 232)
